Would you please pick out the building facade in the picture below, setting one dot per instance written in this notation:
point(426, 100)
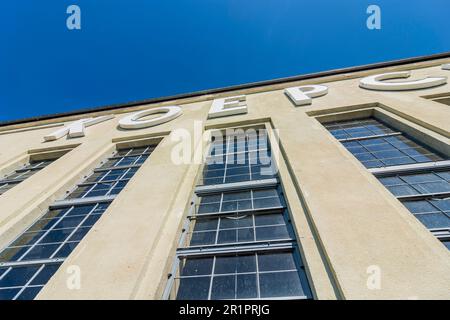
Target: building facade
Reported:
point(330, 186)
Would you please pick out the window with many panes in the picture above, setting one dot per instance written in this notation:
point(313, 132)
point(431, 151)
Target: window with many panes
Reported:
point(23, 173)
point(376, 144)
point(251, 199)
point(424, 187)
point(238, 242)
point(255, 275)
point(28, 263)
point(239, 228)
point(238, 158)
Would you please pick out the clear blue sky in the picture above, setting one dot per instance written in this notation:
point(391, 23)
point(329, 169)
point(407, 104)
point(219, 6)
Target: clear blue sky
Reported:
point(138, 49)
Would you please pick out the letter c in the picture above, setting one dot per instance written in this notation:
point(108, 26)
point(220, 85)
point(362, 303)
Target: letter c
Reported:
point(376, 82)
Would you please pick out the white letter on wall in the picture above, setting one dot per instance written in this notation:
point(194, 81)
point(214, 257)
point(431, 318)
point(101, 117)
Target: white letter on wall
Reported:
point(377, 82)
point(228, 107)
point(75, 129)
point(446, 66)
point(303, 95)
point(133, 122)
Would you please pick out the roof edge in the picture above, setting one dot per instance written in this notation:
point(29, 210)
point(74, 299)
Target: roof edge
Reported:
point(231, 88)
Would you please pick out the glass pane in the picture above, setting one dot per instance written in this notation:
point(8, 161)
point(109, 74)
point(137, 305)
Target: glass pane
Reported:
point(206, 224)
point(197, 266)
point(29, 293)
point(211, 199)
point(280, 284)
point(236, 222)
point(66, 250)
point(8, 294)
point(402, 190)
point(56, 236)
point(56, 213)
point(79, 234)
point(27, 238)
point(269, 219)
point(246, 286)
point(69, 222)
point(45, 274)
point(235, 264)
point(267, 203)
point(193, 288)
point(227, 236)
point(41, 252)
point(442, 204)
point(203, 238)
point(18, 276)
point(209, 208)
point(276, 261)
point(417, 178)
point(434, 187)
point(434, 220)
point(265, 193)
point(246, 235)
point(272, 233)
point(13, 254)
point(223, 287)
point(91, 220)
point(419, 206)
point(447, 244)
point(81, 210)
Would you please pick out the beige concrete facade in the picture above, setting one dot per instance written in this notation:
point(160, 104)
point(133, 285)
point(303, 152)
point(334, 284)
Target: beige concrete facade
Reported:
point(345, 220)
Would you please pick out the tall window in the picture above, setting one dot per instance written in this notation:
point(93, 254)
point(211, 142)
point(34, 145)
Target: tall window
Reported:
point(237, 158)
point(238, 242)
point(28, 263)
point(417, 175)
point(29, 169)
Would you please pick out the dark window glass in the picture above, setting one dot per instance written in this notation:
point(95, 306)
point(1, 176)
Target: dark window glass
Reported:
point(23, 173)
point(235, 220)
point(239, 228)
point(238, 277)
point(197, 266)
point(194, 288)
point(387, 150)
point(276, 261)
point(18, 276)
point(447, 244)
point(419, 183)
point(288, 284)
point(240, 201)
point(238, 159)
point(432, 213)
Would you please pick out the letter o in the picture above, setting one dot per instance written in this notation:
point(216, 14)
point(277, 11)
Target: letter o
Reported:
point(132, 121)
